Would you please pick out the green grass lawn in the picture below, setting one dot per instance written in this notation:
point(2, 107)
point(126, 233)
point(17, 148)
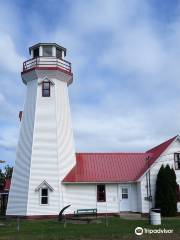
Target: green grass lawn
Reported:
point(117, 229)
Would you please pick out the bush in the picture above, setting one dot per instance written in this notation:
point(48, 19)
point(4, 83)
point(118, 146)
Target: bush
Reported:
point(166, 191)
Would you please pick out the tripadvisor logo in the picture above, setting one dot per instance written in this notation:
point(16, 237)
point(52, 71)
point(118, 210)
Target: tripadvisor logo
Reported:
point(139, 231)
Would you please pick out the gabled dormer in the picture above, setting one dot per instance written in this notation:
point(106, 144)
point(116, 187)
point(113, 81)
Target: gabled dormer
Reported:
point(44, 190)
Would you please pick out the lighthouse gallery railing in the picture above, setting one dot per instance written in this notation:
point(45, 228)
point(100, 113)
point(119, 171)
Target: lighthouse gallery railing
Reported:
point(47, 62)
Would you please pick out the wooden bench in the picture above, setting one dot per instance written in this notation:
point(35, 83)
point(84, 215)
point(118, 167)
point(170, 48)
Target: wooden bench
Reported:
point(86, 212)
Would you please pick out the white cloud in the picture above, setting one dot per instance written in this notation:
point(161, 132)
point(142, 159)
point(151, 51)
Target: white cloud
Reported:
point(126, 72)
point(8, 138)
point(139, 51)
point(10, 60)
point(141, 113)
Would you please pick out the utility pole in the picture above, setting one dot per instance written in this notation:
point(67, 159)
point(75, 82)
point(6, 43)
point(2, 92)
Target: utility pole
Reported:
point(148, 180)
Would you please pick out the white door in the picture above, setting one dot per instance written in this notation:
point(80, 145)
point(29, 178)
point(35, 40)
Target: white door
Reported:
point(124, 199)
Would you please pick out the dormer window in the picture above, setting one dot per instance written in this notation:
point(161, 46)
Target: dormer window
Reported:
point(44, 190)
point(177, 161)
point(44, 196)
point(46, 89)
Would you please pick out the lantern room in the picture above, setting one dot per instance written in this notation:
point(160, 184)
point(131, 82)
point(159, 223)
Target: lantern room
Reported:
point(47, 55)
point(47, 50)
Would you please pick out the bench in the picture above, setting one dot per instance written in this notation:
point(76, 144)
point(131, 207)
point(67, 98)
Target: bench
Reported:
point(86, 211)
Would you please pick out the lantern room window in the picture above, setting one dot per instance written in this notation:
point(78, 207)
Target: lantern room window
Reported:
point(46, 89)
point(58, 53)
point(44, 196)
point(177, 161)
point(47, 51)
point(101, 193)
point(36, 52)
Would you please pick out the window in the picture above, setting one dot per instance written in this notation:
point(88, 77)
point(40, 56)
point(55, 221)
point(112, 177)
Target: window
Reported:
point(58, 53)
point(46, 89)
point(44, 196)
point(124, 193)
point(36, 52)
point(47, 51)
point(101, 193)
point(177, 160)
point(178, 193)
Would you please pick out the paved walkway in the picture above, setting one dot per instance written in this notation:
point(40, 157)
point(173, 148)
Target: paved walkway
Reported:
point(132, 216)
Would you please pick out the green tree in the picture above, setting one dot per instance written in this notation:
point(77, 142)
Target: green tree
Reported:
point(8, 172)
point(2, 179)
point(5, 174)
point(166, 191)
point(160, 189)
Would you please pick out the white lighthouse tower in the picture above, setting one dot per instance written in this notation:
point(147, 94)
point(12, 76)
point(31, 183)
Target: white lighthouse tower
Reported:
point(45, 152)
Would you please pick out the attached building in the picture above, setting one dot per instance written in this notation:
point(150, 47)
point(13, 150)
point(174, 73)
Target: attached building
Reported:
point(118, 182)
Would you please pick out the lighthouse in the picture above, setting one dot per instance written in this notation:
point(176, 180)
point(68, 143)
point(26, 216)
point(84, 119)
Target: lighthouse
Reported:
point(45, 151)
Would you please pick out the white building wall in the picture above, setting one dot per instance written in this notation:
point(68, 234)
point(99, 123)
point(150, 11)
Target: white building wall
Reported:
point(17, 201)
point(112, 202)
point(139, 197)
point(166, 158)
point(81, 196)
point(133, 197)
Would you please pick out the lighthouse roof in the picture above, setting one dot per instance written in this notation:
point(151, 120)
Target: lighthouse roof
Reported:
point(48, 44)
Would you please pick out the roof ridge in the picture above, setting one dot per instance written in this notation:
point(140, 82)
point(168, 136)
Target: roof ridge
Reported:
point(89, 153)
point(161, 144)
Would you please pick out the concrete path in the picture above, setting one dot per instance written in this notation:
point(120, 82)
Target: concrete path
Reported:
point(132, 216)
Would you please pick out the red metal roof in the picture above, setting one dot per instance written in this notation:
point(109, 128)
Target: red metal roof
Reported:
point(113, 167)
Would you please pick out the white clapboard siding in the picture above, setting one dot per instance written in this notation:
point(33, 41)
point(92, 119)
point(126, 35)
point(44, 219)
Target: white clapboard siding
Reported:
point(46, 147)
point(65, 139)
point(18, 196)
point(134, 197)
point(166, 158)
point(139, 197)
point(81, 196)
point(44, 159)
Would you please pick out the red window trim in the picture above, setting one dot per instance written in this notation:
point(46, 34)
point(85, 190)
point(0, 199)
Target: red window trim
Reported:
point(101, 193)
point(49, 89)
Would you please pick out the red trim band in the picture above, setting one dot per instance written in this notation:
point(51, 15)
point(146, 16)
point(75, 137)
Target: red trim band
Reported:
point(48, 68)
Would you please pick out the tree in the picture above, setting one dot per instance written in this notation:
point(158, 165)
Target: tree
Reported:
point(2, 179)
point(160, 189)
point(8, 172)
point(166, 191)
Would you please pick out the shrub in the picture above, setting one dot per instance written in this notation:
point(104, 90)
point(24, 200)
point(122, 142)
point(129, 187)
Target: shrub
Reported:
point(166, 191)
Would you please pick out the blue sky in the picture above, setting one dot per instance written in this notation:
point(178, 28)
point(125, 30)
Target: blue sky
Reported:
point(126, 63)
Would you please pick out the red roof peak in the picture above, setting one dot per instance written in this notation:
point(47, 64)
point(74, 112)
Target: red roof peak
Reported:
point(163, 145)
point(109, 153)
